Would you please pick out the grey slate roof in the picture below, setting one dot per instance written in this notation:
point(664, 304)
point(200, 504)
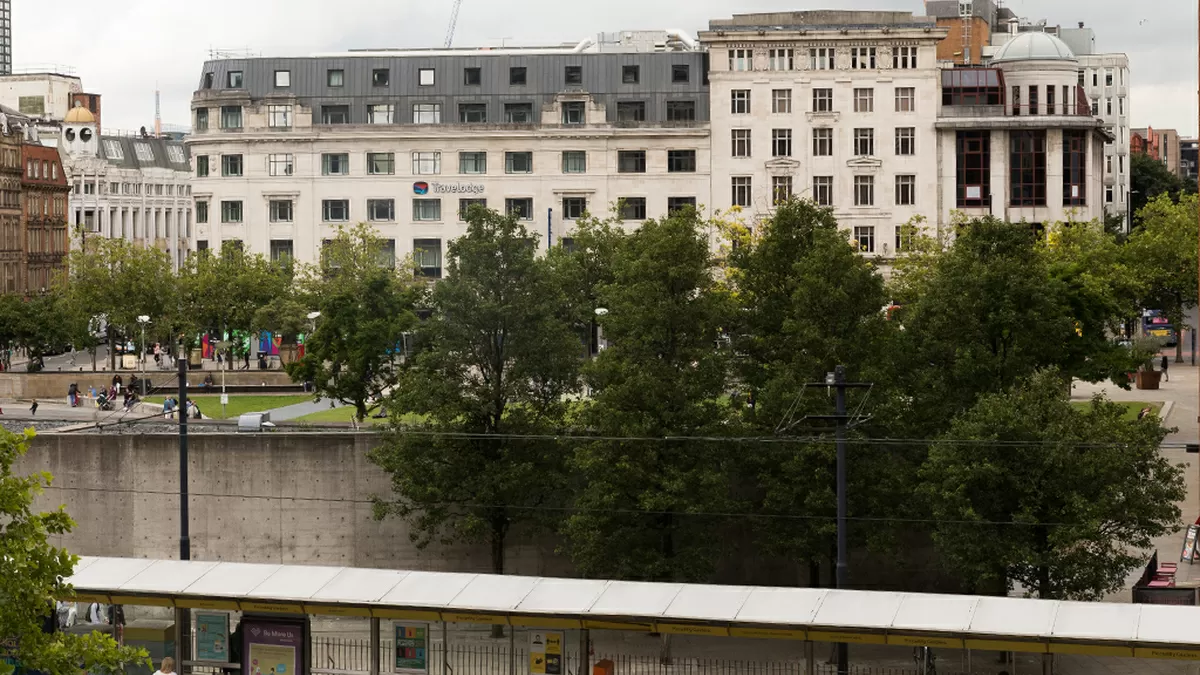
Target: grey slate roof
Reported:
point(158, 147)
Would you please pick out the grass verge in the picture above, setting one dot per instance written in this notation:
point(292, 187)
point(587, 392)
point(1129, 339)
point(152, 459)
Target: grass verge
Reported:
point(210, 405)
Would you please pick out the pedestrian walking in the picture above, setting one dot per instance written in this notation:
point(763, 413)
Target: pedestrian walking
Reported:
point(167, 667)
point(1165, 372)
point(33, 408)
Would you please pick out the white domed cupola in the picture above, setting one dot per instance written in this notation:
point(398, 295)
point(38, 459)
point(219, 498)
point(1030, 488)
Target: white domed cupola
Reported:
point(79, 134)
point(1042, 75)
point(1034, 46)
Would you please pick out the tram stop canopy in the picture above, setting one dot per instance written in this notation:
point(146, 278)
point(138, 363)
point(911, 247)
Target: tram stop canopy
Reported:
point(821, 615)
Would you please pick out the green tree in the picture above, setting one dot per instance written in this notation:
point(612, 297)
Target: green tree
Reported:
point(116, 281)
point(42, 326)
point(1163, 255)
point(88, 290)
point(582, 269)
point(1029, 489)
point(1150, 179)
point(663, 375)
point(33, 579)
point(497, 359)
point(225, 292)
point(808, 302)
point(987, 313)
point(366, 307)
point(1100, 288)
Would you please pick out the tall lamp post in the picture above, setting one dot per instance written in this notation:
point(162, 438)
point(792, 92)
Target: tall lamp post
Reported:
point(143, 320)
point(224, 345)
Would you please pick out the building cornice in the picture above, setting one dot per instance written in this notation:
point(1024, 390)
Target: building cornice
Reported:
point(420, 132)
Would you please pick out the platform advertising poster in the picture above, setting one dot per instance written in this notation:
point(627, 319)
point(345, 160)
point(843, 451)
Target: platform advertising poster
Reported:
point(546, 653)
point(212, 637)
point(412, 648)
point(8, 651)
point(1189, 544)
point(273, 649)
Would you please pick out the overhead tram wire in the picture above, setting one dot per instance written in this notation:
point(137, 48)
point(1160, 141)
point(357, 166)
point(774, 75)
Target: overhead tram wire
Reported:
point(571, 509)
point(744, 440)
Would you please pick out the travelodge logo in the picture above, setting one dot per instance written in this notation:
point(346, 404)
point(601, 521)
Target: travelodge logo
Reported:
point(421, 188)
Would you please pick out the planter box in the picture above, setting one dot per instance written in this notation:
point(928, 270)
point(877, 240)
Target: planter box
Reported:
point(1149, 379)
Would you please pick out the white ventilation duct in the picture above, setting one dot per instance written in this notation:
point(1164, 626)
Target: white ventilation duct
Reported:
point(682, 36)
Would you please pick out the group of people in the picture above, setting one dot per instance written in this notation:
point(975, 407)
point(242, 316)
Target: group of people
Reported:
point(105, 397)
point(171, 406)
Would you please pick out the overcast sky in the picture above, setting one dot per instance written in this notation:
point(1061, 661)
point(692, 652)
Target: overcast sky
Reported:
point(121, 49)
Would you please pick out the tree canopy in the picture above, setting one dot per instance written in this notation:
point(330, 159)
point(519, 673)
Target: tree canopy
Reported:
point(494, 364)
point(364, 307)
point(1028, 489)
point(33, 579)
point(1149, 179)
point(664, 374)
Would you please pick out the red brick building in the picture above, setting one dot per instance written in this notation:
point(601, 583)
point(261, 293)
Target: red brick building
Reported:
point(45, 192)
point(12, 243)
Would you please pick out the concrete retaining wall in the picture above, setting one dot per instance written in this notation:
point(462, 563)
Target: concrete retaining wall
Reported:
point(54, 385)
point(278, 498)
point(304, 498)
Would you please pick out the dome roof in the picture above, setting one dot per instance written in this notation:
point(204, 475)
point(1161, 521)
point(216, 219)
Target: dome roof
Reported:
point(79, 115)
point(1034, 46)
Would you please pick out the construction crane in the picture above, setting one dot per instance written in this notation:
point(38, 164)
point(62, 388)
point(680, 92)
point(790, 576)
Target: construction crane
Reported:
point(453, 23)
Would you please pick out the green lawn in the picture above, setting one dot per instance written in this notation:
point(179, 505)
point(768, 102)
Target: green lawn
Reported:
point(345, 414)
point(210, 404)
point(1132, 408)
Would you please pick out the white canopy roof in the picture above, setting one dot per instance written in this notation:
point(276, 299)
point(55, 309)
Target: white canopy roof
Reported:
point(880, 613)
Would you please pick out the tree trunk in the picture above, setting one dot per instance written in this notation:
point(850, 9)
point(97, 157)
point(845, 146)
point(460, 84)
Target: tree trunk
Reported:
point(1179, 345)
point(112, 349)
point(814, 573)
point(93, 351)
point(1044, 588)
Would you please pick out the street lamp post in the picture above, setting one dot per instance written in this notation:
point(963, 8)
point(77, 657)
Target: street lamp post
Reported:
point(143, 320)
point(593, 335)
point(224, 345)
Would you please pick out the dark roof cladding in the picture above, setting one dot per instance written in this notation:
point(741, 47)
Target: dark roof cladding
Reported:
point(820, 20)
point(160, 152)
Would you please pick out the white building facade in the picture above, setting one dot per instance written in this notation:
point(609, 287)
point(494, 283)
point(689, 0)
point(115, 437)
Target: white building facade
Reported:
point(837, 107)
point(849, 109)
point(1018, 140)
point(44, 95)
point(131, 188)
point(1105, 78)
point(287, 150)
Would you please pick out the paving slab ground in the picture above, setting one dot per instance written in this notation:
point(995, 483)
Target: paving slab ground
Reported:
point(1180, 396)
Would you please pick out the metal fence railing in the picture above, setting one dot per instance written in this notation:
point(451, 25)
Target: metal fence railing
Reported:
point(350, 656)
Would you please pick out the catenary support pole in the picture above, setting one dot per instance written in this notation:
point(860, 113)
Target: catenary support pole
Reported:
point(375, 646)
point(185, 542)
point(445, 650)
point(839, 380)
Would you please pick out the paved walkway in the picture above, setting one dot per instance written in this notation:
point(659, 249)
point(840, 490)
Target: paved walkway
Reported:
point(1181, 399)
point(299, 410)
